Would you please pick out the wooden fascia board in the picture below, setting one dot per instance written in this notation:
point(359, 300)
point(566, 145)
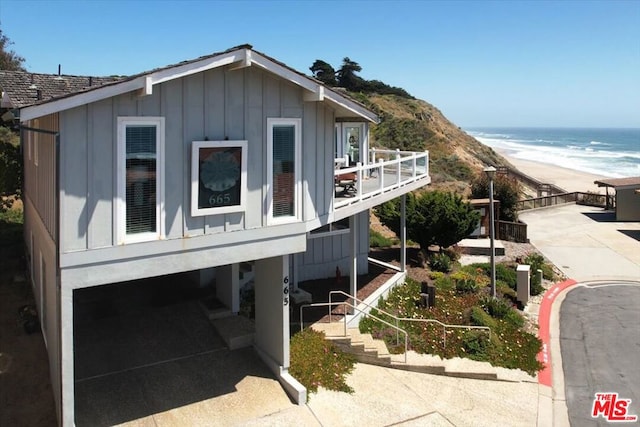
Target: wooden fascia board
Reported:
point(351, 106)
point(311, 86)
point(284, 72)
point(317, 96)
point(198, 66)
point(143, 84)
point(35, 111)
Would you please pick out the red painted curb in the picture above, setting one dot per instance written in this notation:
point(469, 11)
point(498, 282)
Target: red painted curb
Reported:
point(544, 318)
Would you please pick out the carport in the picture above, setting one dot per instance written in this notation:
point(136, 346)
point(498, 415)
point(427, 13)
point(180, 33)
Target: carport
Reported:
point(146, 349)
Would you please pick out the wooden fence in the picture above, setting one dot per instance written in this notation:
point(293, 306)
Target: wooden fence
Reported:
point(589, 199)
point(517, 231)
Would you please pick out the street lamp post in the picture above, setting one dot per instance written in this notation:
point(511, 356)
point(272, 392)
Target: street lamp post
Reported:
point(491, 172)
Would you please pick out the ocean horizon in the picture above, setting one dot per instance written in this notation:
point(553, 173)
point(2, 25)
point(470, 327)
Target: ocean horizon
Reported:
point(611, 152)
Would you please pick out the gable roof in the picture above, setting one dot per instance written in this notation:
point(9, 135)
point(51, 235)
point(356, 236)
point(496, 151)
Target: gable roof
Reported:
point(235, 58)
point(629, 182)
point(21, 88)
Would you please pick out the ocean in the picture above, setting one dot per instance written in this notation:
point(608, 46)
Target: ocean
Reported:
point(610, 152)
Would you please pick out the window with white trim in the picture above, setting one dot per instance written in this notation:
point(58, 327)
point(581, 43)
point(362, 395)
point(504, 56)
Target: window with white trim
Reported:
point(283, 169)
point(140, 200)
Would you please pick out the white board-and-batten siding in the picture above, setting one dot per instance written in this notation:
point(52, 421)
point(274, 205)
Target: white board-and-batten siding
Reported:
point(325, 253)
point(213, 105)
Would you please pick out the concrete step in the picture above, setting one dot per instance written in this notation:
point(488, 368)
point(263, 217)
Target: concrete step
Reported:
point(368, 350)
point(236, 331)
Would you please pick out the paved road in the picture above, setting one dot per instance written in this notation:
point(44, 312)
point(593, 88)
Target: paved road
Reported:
point(600, 344)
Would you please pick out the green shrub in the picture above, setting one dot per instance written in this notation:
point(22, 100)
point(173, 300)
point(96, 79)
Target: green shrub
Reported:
point(440, 262)
point(377, 240)
point(506, 291)
point(479, 317)
point(435, 275)
point(317, 362)
point(504, 272)
point(514, 318)
point(443, 282)
point(464, 282)
point(496, 307)
point(475, 344)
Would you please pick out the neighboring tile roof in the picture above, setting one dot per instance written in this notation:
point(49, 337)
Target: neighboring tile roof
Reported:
point(619, 182)
point(111, 80)
point(21, 87)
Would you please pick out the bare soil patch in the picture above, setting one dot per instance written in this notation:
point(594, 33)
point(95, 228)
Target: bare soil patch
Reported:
point(26, 397)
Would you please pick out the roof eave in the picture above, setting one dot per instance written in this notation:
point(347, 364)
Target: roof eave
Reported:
point(243, 57)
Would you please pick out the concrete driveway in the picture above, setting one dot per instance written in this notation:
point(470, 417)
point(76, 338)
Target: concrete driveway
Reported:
point(585, 243)
point(147, 355)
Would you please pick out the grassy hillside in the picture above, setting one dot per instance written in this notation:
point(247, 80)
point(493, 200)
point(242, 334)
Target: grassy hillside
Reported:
point(413, 124)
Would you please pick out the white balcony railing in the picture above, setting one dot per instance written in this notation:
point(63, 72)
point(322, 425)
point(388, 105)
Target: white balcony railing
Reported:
point(387, 170)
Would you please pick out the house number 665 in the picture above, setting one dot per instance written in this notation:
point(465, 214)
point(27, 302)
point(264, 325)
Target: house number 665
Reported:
point(285, 290)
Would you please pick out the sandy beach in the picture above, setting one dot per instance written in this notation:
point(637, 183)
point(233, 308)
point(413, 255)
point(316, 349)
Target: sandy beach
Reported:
point(569, 179)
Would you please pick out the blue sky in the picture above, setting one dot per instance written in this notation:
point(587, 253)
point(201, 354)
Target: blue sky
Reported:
point(503, 63)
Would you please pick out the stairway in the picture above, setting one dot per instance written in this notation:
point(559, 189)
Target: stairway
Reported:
point(368, 350)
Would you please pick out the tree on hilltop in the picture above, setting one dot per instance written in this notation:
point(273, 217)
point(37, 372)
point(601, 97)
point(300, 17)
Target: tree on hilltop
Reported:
point(9, 60)
point(324, 72)
point(347, 77)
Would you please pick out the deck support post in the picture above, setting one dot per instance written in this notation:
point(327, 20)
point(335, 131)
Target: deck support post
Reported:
point(353, 253)
point(403, 233)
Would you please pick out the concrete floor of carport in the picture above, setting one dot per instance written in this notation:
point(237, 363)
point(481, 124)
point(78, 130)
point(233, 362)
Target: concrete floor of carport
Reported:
point(146, 353)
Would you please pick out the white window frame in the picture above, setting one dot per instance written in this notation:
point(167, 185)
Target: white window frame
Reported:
point(195, 177)
point(297, 208)
point(120, 203)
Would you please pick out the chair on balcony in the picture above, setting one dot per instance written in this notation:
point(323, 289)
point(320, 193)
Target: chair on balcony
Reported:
point(347, 181)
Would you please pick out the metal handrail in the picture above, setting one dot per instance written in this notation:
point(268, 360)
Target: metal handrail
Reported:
point(408, 319)
point(329, 304)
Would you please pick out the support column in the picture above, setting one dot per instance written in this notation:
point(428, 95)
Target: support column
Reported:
point(228, 286)
point(67, 358)
point(403, 233)
point(353, 253)
point(272, 310)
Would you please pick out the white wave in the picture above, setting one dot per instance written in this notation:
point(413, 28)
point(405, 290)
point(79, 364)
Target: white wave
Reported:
point(580, 158)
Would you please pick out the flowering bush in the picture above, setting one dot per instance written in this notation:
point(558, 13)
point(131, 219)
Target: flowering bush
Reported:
point(316, 362)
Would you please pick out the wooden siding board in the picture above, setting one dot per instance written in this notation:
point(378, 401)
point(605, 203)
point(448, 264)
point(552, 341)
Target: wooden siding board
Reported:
point(254, 132)
point(292, 104)
point(150, 105)
point(214, 117)
point(73, 125)
point(309, 159)
point(234, 127)
point(101, 173)
point(193, 118)
point(175, 166)
point(326, 188)
point(272, 104)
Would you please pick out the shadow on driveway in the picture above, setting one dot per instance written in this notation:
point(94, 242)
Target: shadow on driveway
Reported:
point(143, 350)
point(605, 216)
point(634, 234)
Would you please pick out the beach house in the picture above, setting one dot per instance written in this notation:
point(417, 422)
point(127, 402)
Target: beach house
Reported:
point(229, 159)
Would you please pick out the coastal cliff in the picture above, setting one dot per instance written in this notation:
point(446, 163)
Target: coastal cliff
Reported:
point(413, 124)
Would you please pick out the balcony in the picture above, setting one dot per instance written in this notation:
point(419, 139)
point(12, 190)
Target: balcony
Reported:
point(388, 174)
